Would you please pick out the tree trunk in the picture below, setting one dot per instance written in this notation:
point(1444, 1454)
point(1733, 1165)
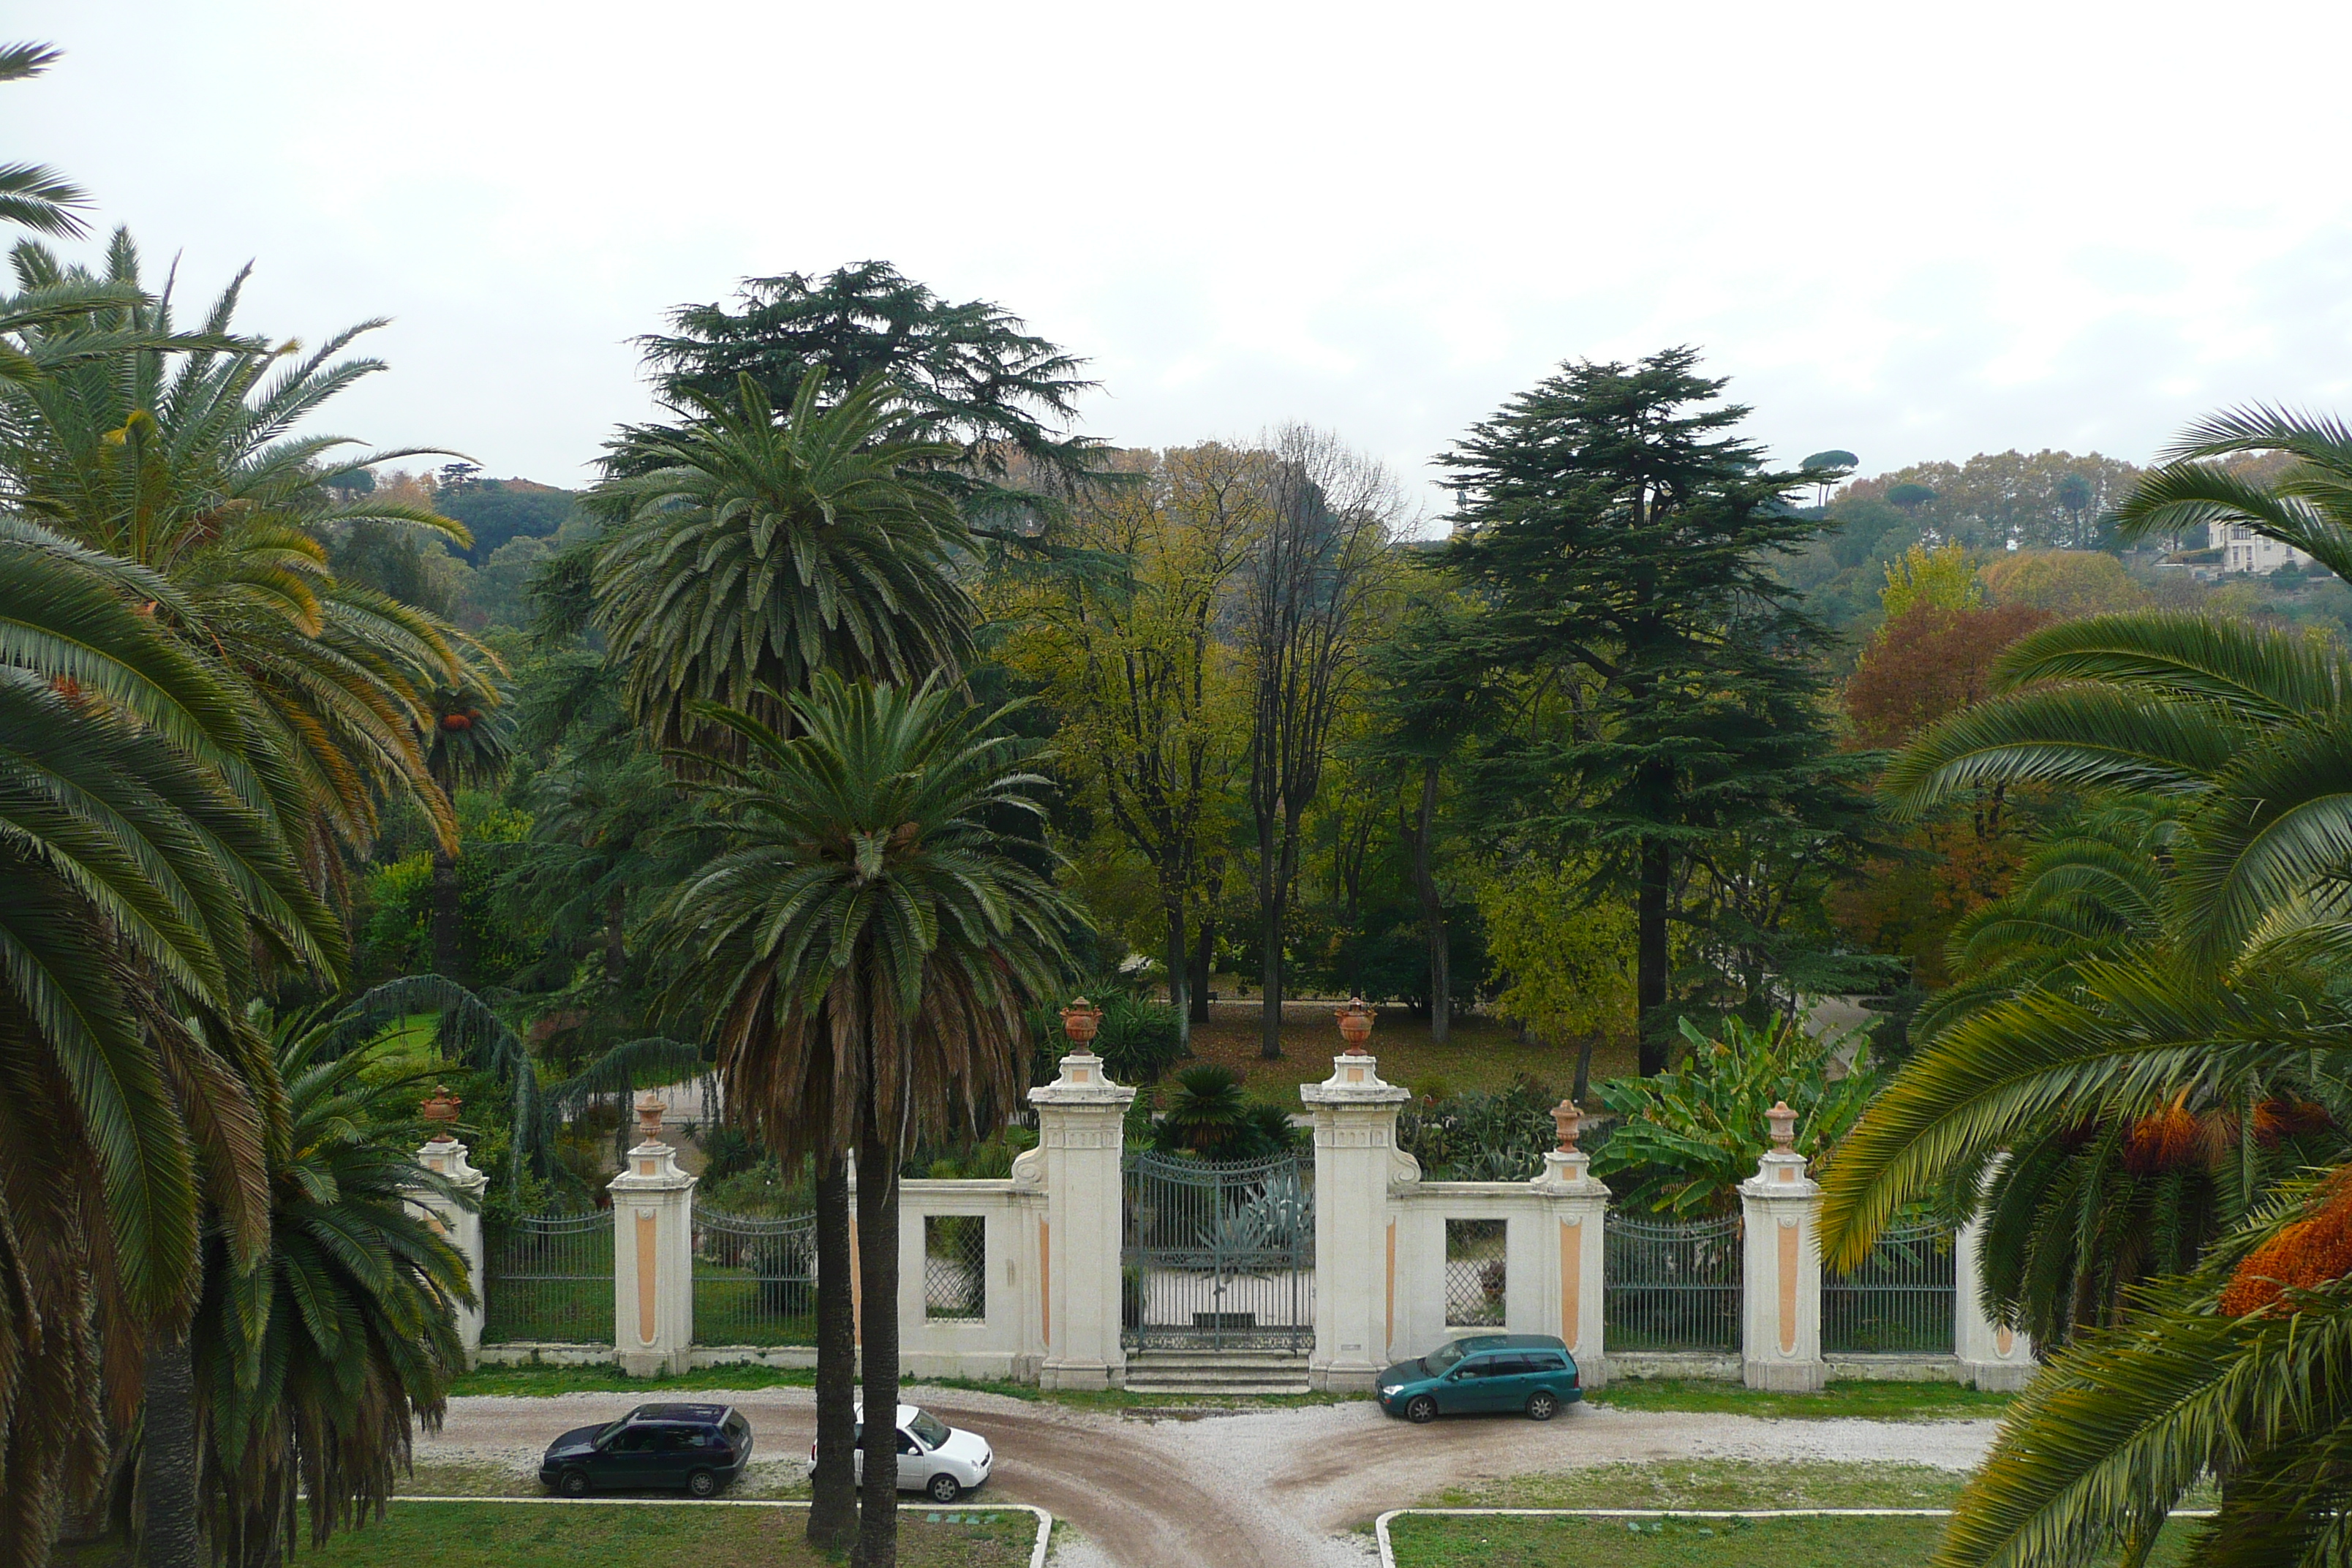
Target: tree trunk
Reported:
point(1179, 960)
point(616, 950)
point(1269, 1028)
point(169, 1533)
point(1583, 1067)
point(1204, 953)
point(447, 934)
point(878, 1270)
point(1432, 910)
point(833, 1489)
point(1650, 947)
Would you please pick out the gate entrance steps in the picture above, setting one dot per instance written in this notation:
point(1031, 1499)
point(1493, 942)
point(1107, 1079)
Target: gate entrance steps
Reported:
point(1216, 1373)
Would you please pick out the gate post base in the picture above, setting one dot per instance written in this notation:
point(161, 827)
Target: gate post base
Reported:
point(1785, 1376)
point(655, 1363)
point(1342, 1376)
point(1080, 1374)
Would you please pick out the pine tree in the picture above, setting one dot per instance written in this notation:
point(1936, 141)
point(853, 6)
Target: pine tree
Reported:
point(1618, 535)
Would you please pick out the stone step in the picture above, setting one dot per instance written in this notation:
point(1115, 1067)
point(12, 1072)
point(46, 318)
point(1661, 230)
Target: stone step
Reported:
point(1216, 1373)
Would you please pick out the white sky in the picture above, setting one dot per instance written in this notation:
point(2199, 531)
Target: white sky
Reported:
point(1914, 231)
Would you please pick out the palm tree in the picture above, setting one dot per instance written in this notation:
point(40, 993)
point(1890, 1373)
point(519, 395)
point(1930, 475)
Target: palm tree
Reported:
point(187, 460)
point(32, 196)
point(139, 889)
point(2219, 1014)
point(748, 553)
point(311, 1363)
point(868, 944)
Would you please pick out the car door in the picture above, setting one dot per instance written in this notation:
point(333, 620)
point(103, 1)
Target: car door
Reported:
point(915, 1466)
point(1467, 1385)
point(627, 1461)
point(676, 1453)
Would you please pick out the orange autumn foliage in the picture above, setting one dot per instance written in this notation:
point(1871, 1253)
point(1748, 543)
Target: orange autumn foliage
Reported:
point(2310, 1252)
point(1928, 663)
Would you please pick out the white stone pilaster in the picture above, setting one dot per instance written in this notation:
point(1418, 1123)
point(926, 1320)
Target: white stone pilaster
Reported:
point(1080, 1138)
point(1576, 1208)
point(653, 1256)
point(460, 1220)
point(1991, 1356)
point(1780, 1318)
point(1355, 1136)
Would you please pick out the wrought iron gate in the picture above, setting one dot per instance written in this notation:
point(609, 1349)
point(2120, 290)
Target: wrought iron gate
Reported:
point(754, 1279)
point(551, 1278)
point(1899, 1302)
point(1218, 1256)
point(1669, 1286)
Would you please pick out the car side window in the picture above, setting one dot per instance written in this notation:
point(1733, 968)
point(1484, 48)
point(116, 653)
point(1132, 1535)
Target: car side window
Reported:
point(907, 1443)
point(1478, 1366)
point(636, 1440)
point(675, 1441)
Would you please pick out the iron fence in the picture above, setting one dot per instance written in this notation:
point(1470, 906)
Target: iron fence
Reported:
point(1671, 1284)
point(1897, 1302)
point(1218, 1254)
point(955, 1266)
point(549, 1277)
point(754, 1279)
point(1474, 1273)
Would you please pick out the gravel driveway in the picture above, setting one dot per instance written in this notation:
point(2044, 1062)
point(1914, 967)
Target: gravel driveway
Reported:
point(1256, 1489)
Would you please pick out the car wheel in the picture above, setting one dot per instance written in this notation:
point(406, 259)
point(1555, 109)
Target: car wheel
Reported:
point(1542, 1406)
point(702, 1483)
point(575, 1483)
point(944, 1488)
point(1422, 1409)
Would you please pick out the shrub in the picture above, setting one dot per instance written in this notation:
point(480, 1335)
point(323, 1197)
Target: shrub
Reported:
point(1493, 1137)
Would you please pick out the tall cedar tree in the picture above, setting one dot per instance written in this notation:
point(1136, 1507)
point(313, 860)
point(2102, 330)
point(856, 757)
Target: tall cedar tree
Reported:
point(969, 374)
point(1617, 536)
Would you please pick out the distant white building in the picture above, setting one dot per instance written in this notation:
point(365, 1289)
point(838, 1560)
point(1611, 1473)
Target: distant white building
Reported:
point(2243, 550)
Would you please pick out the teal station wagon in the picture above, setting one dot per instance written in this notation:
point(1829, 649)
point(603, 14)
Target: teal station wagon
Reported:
point(1529, 1372)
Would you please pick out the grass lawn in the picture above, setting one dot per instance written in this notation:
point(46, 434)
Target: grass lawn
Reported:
point(1851, 1399)
point(1482, 1054)
point(1491, 1543)
point(569, 1535)
point(1715, 1483)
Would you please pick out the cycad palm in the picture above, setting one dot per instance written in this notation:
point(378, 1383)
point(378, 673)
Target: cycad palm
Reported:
point(867, 946)
point(312, 1363)
point(749, 552)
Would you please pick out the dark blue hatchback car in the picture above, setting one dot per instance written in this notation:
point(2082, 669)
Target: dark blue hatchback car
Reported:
point(696, 1449)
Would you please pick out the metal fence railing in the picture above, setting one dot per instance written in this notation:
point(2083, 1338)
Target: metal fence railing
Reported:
point(955, 1266)
point(1897, 1302)
point(549, 1278)
point(1671, 1286)
point(1475, 1278)
point(754, 1279)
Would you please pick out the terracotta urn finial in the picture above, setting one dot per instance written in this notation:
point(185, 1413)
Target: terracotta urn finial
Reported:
point(1080, 1020)
point(649, 1116)
point(1566, 1117)
point(442, 1111)
point(1783, 1123)
point(1355, 1025)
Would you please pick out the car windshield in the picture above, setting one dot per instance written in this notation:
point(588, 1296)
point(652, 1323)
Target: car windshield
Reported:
point(929, 1428)
point(1441, 1360)
point(605, 1439)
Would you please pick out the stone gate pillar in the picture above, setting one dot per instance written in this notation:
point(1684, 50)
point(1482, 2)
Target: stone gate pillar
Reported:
point(1080, 1138)
point(1577, 1204)
point(653, 1255)
point(459, 1216)
point(1780, 1317)
point(1991, 1356)
point(1355, 1137)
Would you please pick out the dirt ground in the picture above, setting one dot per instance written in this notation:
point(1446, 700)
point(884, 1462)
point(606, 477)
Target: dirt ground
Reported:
point(1255, 1489)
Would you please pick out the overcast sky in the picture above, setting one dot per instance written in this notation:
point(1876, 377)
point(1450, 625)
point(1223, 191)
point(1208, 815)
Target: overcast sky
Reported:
point(1914, 231)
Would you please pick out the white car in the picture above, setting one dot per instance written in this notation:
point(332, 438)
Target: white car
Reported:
point(933, 1457)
